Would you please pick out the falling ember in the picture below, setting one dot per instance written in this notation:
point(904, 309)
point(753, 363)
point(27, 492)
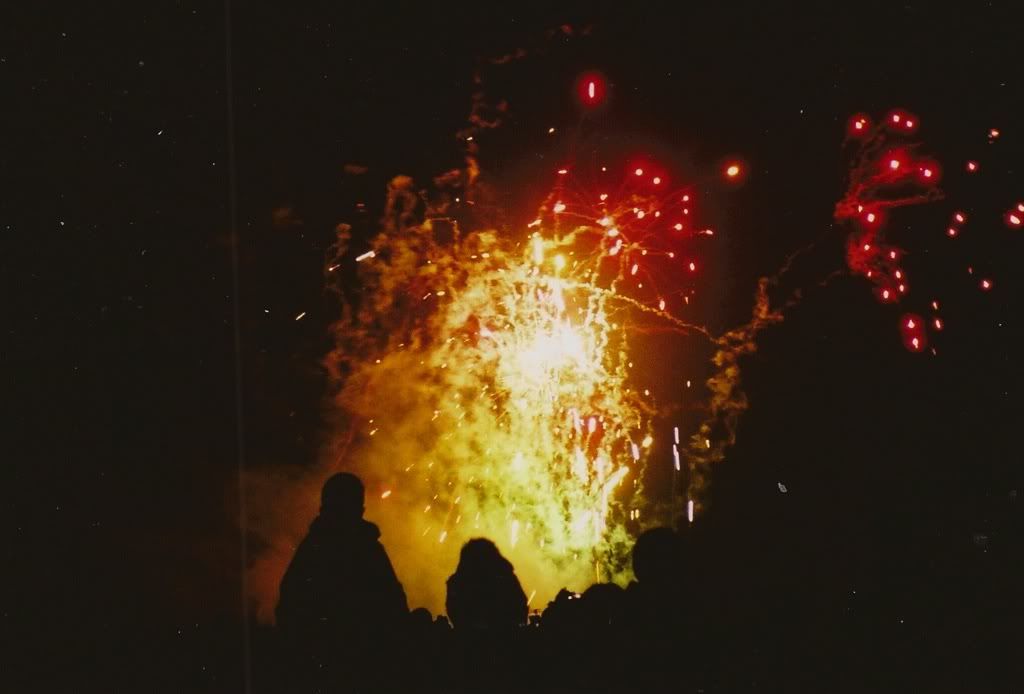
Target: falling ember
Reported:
point(689, 510)
point(986, 285)
point(972, 166)
point(365, 256)
point(732, 171)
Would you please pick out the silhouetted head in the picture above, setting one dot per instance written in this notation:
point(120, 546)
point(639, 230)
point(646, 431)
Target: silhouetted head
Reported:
point(481, 554)
point(342, 496)
point(656, 555)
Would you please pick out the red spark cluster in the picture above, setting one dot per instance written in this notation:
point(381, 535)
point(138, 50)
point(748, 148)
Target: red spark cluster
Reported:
point(888, 173)
point(645, 227)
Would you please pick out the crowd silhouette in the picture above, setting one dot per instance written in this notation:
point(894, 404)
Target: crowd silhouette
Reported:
point(732, 614)
point(343, 623)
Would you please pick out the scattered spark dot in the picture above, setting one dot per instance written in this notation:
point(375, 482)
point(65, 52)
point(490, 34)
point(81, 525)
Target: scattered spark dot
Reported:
point(657, 180)
point(732, 171)
point(678, 226)
point(639, 172)
point(386, 494)
point(972, 166)
point(559, 207)
point(300, 316)
point(986, 284)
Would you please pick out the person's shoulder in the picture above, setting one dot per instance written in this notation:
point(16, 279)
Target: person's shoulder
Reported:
point(369, 530)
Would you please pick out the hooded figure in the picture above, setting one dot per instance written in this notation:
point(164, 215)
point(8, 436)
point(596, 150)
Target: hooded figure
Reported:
point(340, 584)
point(484, 593)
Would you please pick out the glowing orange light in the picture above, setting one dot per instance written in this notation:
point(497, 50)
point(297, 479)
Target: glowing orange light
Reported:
point(894, 164)
point(559, 207)
point(993, 133)
point(732, 171)
point(693, 266)
point(563, 171)
point(927, 173)
point(604, 196)
point(386, 494)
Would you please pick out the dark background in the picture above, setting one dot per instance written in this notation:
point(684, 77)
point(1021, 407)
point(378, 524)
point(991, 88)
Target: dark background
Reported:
point(903, 471)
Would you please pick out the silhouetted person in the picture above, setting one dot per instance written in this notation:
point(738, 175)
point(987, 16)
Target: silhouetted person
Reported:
point(484, 593)
point(340, 590)
point(656, 619)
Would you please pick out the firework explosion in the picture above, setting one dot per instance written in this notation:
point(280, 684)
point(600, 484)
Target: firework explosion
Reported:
point(490, 372)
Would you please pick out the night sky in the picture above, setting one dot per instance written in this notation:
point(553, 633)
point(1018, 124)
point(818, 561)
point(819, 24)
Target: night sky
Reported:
point(903, 471)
